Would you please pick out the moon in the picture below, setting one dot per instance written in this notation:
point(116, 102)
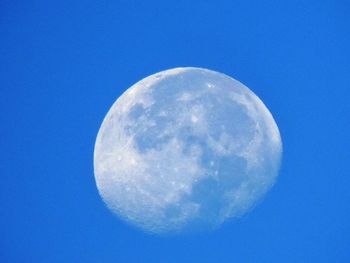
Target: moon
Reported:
point(185, 150)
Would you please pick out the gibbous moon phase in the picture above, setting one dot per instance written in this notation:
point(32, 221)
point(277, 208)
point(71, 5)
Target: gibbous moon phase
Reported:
point(185, 150)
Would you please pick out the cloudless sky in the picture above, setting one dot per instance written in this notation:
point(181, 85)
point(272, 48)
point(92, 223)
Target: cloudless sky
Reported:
point(64, 63)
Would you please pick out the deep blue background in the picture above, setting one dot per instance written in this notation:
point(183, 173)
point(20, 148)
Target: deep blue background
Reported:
point(63, 64)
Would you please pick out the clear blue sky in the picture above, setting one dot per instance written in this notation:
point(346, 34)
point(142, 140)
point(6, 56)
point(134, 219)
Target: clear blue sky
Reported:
point(63, 64)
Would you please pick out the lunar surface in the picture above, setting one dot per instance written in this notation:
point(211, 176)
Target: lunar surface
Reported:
point(185, 150)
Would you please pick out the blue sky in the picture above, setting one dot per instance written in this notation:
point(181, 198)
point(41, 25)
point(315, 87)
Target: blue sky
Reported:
point(63, 65)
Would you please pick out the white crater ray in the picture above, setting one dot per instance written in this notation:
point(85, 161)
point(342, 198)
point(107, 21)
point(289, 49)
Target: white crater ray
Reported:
point(185, 150)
